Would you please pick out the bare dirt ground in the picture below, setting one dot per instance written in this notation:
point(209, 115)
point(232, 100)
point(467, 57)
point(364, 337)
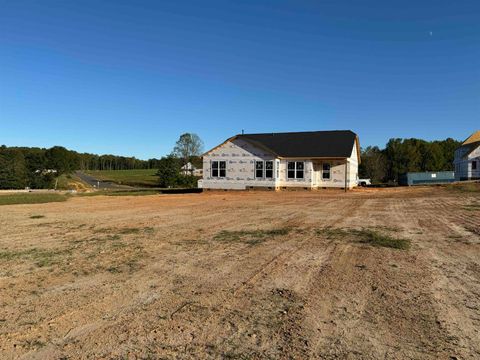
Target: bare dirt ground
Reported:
point(247, 275)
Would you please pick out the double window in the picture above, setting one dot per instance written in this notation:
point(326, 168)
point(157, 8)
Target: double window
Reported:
point(295, 169)
point(264, 169)
point(326, 171)
point(219, 169)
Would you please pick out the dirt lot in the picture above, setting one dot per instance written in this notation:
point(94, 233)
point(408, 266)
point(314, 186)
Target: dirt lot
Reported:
point(242, 275)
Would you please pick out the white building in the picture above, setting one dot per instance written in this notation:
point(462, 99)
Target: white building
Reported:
point(311, 160)
point(190, 169)
point(467, 159)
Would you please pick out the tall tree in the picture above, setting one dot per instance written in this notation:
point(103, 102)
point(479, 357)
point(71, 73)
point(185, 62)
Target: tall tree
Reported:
point(373, 165)
point(188, 146)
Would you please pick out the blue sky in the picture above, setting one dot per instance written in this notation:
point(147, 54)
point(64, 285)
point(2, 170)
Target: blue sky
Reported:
point(128, 77)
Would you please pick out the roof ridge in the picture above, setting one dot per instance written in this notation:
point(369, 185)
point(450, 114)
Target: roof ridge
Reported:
point(297, 132)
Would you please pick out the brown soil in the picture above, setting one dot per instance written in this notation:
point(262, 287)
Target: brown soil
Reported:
point(248, 275)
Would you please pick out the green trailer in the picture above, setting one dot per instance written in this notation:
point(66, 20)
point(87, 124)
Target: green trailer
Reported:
point(427, 178)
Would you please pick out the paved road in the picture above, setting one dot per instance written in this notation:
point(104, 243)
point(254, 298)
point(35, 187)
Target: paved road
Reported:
point(92, 181)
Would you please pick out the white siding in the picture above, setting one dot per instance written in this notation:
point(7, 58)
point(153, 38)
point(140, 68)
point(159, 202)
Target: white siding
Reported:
point(463, 165)
point(240, 157)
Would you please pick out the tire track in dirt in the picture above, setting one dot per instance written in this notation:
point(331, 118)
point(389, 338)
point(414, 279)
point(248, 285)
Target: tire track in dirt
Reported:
point(454, 289)
point(278, 265)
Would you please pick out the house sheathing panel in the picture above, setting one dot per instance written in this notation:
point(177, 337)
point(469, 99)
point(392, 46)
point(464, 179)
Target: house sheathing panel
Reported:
point(240, 157)
point(464, 164)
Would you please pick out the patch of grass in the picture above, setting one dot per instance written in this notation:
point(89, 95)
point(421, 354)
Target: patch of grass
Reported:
point(374, 238)
point(120, 193)
point(113, 270)
point(138, 177)
point(251, 237)
point(114, 233)
point(331, 233)
point(37, 216)
point(31, 198)
point(41, 257)
point(71, 182)
point(127, 231)
point(365, 236)
point(468, 187)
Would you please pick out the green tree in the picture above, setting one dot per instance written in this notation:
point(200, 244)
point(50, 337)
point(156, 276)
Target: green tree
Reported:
point(13, 172)
point(61, 160)
point(188, 145)
point(170, 175)
point(373, 165)
point(169, 171)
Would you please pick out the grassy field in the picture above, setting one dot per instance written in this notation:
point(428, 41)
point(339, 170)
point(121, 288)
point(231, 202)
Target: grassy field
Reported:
point(31, 198)
point(140, 177)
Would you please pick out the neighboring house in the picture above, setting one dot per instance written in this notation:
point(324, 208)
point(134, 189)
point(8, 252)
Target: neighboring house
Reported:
point(467, 159)
point(190, 169)
point(46, 171)
point(312, 160)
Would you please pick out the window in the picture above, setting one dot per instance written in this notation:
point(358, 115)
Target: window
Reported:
point(326, 171)
point(295, 169)
point(474, 165)
point(259, 169)
point(219, 168)
point(300, 167)
point(269, 169)
point(223, 168)
point(291, 170)
point(277, 164)
point(264, 169)
point(214, 168)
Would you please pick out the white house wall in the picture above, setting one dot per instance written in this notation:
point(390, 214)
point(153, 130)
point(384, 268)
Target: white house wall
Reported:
point(463, 165)
point(240, 158)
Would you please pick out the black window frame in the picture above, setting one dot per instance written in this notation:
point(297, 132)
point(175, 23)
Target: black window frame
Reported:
point(296, 171)
point(474, 165)
point(222, 169)
point(259, 171)
point(219, 169)
point(267, 170)
point(327, 171)
point(290, 171)
point(215, 168)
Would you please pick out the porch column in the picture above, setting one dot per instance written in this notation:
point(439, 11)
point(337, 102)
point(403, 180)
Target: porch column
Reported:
point(346, 175)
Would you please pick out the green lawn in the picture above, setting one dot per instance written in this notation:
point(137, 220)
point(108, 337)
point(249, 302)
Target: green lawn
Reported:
point(142, 177)
point(31, 198)
point(120, 193)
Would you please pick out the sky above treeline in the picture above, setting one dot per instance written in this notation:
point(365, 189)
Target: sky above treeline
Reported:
point(129, 77)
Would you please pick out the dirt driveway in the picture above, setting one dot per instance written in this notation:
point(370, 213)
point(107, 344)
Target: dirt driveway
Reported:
point(242, 275)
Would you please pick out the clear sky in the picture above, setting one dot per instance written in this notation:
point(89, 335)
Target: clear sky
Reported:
point(128, 77)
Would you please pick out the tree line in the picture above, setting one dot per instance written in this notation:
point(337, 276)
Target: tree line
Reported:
point(406, 155)
point(22, 167)
point(38, 168)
